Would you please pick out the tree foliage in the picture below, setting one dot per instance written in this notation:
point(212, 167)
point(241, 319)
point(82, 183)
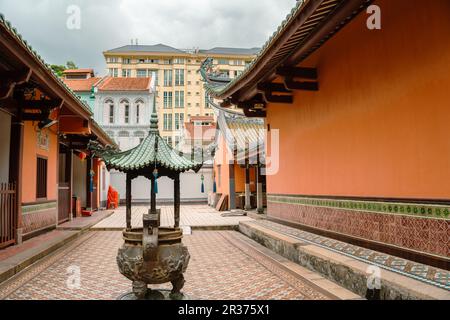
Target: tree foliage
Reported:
point(59, 69)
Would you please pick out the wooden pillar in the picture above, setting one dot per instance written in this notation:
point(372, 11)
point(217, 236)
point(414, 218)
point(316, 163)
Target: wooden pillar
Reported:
point(88, 184)
point(15, 170)
point(248, 205)
point(153, 197)
point(259, 191)
point(128, 201)
point(69, 178)
point(232, 190)
point(177, 200)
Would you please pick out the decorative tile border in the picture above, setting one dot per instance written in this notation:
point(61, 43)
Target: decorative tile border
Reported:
point(409, 209)
point(27, 209)
point(430, 275)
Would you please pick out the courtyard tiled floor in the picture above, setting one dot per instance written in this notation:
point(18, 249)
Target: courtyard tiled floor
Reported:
point(221, 267)
point(192, 215)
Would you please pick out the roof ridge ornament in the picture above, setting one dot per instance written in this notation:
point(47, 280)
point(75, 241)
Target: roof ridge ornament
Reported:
point(154, 128)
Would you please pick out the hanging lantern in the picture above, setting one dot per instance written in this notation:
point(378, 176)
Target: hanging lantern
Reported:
point(91, 182)
point(155, 184)
point(203, 183)
point(82, 156)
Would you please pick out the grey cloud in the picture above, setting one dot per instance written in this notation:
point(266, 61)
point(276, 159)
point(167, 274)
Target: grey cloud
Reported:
point(107, 24)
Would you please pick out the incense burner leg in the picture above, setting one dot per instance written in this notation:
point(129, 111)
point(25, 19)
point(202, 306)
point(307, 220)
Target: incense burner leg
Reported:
point(178, 285)
point(140, 289)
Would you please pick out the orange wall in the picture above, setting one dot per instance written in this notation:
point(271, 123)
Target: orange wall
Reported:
point(222, 157)
point(30, 153)
point(379, 126)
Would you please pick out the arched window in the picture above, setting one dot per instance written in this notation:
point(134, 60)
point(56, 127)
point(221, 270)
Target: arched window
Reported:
point(126, 110)
point(139, 104)
point(124, 134)
point(110, 107)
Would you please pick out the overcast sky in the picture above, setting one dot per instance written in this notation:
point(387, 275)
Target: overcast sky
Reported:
point(107, 24)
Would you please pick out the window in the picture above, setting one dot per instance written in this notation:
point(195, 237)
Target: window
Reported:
point(41, 178)
point(152, 72)
point(168, 100)
point(138, 111)
point(168, 140)
point(141, 73)
point(223, 61)
point(124, 134)
point(114, 72)
point(168, 78)
point(126, 73)
point(126, 110)
point(167, 122)
point(113, 60)
point(179, 99)
point(126, 61)
point(179, 120)
point(110, 104)
point(179, 77)
point(167, 61)
point(179, 61)
point(207, 106)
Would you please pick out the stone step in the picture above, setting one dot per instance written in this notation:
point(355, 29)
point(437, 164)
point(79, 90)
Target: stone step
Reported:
point(314, 280)
point(344, 270)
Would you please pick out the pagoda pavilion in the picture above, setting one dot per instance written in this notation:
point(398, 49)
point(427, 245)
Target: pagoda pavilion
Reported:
point(152, 159)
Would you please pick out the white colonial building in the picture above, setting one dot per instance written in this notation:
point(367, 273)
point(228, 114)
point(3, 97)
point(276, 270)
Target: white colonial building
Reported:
point(123, 108)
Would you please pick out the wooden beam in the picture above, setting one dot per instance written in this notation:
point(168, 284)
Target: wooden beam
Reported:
point(252, 113)
point(10, 80)
point(301, 85)
point(272, 87)
point(298, 72)
point(271, 98)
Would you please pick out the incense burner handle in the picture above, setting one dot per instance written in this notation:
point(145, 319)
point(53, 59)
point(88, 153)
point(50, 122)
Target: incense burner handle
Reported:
point(150, 237)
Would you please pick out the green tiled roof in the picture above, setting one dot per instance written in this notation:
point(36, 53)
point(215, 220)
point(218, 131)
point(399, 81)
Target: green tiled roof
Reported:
point(146, 155)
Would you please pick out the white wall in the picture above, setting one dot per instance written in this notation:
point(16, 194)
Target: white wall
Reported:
point(104, 174)
point(190, 186)
point(5, 134)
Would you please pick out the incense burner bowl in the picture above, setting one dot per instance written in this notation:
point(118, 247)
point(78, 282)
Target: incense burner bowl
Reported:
point(152, 256)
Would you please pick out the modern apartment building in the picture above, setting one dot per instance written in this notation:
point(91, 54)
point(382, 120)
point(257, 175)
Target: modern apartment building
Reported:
point(180, 91)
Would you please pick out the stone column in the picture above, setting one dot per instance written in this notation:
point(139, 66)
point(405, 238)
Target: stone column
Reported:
point(248, 205)
point(232, 190)
point(128, 201)
point(88, 183)
point(259, 191)
point(177, 200)
point(153, 197)
point(69, 178)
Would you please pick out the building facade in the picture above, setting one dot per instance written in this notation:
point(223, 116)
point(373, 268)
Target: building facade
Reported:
point(362, 116)
point(180, 90)
point(123, 108)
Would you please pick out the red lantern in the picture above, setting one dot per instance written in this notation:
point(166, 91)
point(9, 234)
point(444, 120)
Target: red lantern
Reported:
point(82, 156)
